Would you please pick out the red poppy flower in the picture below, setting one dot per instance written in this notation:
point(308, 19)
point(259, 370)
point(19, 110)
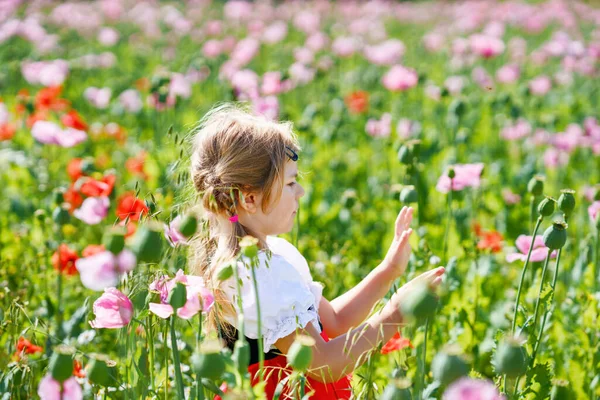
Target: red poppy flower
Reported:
point(7, 131)
point(130, 206)
point(78, 370)
point(357, 102)
point(135, 165)
point(492, 241)
point(92, 249)
point(397, 342)
point(64, 259)
point(130, 227)
point(28, 347)
point(94, 188)
point(38, 115)
point(73, 197)
point(48, 99)
point(72, 119)
point(74, 169)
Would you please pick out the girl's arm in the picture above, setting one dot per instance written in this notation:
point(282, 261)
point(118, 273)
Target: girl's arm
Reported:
point(351, 308)
point(334, 359)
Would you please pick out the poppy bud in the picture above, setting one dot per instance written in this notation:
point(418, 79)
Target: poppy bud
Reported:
point(188, 226)
point(536, 185)
point(209, 362)
point(349, 198)
point(58, 195)
point(566, 201)
point(61, 215)
point(447, 366)
point(178, 296)
point(510, 358)
point(163, 93)
point(249, 246)
point(420, 304)
point(458, 107)
point(546, 207)
point(147, 243)
point(397, 389)
point(114, 240)
point(61, 363)
point(405, 155)
point(555, 236)
point(225, 273)
point(561, 391)
point(409, 195)
point(241, 355)
point(40, 215)
point(299, 355)
point(101, 370)
point(451, 173)
point(87, 166)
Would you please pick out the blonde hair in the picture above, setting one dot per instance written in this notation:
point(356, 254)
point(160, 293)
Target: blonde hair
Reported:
point(233, 152)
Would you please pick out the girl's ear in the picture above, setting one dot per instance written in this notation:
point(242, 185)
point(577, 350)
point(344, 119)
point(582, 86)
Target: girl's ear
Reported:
point(249, 202)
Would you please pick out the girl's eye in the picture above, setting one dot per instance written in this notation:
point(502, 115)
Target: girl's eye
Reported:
point(291, 184)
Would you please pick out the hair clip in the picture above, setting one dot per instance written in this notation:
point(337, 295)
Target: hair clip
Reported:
point(294, 156)
point(234, 218)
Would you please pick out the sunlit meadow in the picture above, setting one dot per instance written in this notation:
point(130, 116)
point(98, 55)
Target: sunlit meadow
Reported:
point(482, 115)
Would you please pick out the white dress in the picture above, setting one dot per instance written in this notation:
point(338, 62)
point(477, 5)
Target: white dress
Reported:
point(288, 296)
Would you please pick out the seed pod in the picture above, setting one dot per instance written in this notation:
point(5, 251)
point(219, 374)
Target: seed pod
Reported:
point(561, 390)
point(420, 304)
point(61, 215)
point(405, 155)
point(241, 355)
point(299, 355)
point(546, 207)
point(457, 107)
point(397, 389)
point(249, 246)
point(209, 362)
point(87, 166)
point(451, 173)
point(61, 363)
point(566, 202)
point(178, 296)
point(447, 366)
point(147, 243)
point(188, 226)
point(408, 195)
point(101, 370)
point(349, 198)
point(114, 240)
point(58, 196)
point(555, 236)
point(536, 185)
point(225, 273)
point(510, 358)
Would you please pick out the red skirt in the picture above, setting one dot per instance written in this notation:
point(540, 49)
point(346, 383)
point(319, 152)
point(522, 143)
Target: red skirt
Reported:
point(275, 371)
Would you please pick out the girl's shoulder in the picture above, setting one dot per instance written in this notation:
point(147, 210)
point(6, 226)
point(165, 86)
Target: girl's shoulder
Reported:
point(281, 247)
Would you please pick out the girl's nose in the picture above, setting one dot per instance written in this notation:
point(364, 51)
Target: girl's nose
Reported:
point(301, 191)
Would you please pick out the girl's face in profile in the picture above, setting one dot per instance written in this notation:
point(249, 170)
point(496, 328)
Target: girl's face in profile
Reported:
point(279, 217)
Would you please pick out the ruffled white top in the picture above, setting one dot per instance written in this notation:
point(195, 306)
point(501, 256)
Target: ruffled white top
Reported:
point(288, 296)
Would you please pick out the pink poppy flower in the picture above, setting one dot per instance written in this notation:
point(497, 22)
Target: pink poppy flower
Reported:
point(131, 100)
point(466, 175)
point(93, 210)
point(180, 86)
point(380, 128)
point(104, 269)
point(46, 73)
point(434, 42)
point(50, 389)
point(108, 36)
point(407, 128)
point(594, 211)
point(454, 84)
point(385, 53)
point(520, 129)
point(400, 78)
point(98, 97)
point(199, 298)
point(301, 74)
point(275, 32)
point(555, 158)
point(510, 197)
point(472, 389)
point(212, 48)
point(523, 243)
point(540, 85)
point(245, 50)
point(317, 41)
point(50, 133)
point(266, 106)
point(113, 310)
point(486, 46)
point(508, 73)
point(344, 46)
point(273, 85)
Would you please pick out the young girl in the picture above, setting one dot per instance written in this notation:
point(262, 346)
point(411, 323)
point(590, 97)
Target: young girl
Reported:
point(245, 169)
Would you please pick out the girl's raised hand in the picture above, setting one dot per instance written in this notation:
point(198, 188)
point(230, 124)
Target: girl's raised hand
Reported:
point(397, 257)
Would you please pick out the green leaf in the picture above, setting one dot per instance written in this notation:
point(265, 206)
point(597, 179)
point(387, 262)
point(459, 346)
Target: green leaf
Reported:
point(538, 382)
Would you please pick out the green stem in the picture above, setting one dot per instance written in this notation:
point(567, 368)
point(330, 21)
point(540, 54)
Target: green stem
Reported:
point(261, 353)
point(166, 350)
point(176, 362)
point(199, 386)
point(597, 260)
point(448, 218)
point(424, 371)
point(59, 314)
point(150, 339)
point(537, 226)
point(240, 327)
point(547, 312)
point(537, 303)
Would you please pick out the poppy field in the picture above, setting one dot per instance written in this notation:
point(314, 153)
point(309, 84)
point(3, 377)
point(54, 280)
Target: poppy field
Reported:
point(482, 116)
